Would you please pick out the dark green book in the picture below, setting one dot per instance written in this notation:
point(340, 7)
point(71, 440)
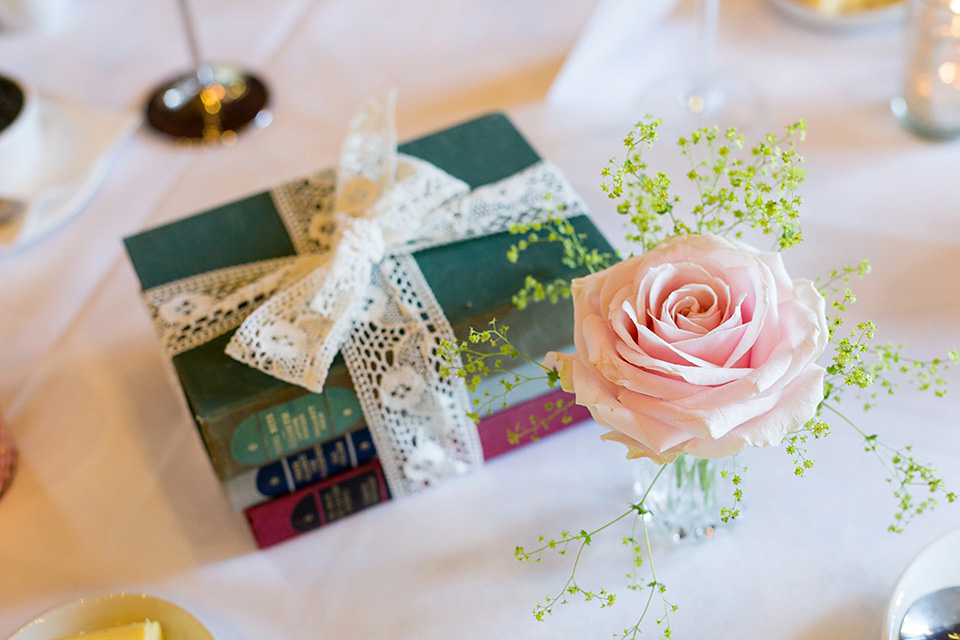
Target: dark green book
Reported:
point(247, 418)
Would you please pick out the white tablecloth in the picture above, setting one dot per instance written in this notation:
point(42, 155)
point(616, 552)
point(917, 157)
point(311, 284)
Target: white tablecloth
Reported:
point(113, 492)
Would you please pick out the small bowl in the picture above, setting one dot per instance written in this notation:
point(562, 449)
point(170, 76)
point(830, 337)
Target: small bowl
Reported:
point(21, 136)
point(92, 613)
point(878, 14)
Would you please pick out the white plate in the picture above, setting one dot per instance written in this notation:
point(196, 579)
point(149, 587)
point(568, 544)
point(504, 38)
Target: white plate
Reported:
point(934, 568)
point(77, 146)
point(890, 14)
point(111, 609)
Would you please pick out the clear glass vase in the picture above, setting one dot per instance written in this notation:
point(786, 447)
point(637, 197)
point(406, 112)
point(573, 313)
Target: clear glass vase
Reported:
point(687, 500)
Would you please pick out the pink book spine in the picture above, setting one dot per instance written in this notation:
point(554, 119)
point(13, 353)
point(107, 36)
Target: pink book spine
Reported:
point(509, 428)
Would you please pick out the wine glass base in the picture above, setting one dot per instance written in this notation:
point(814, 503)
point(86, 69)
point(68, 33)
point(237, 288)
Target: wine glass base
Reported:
point(211, 104)
point(687, 104)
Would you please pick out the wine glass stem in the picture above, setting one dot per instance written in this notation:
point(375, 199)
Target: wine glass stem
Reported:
point(707, 19)
point(203, 70)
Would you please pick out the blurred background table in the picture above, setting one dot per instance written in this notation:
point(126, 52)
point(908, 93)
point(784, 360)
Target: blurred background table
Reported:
point(113, 492)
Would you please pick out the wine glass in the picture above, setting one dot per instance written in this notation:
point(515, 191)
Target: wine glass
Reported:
point(703, 96)
point(211, 103)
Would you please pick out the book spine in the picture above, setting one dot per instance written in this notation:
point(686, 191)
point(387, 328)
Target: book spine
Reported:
point(263, 470)
point(348, 492)
point(529, 421)
point(319, 504)
point(280, 430)
point(301, 469)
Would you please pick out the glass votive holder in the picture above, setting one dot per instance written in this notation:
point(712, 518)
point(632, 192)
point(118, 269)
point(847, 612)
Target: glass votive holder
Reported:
point(8, 457)
point(929, 101)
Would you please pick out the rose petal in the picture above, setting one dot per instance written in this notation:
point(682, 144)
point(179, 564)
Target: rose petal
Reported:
point(716, 348)
point(638, 450)
point(698, 372)
point(798, 405)
point(604, 402)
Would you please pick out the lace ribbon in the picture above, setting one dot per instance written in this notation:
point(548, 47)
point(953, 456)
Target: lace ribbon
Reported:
point(354, 288)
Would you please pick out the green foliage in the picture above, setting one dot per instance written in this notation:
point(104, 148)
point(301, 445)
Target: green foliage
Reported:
point(835, 289)
point(796, 444)
point(575, 255)
point(572, 587)
point(729, 513)
point(906, 475)
point(535, 426)
point(860, 365)
point(639, 546)
point(487, 353)
point(737, 188)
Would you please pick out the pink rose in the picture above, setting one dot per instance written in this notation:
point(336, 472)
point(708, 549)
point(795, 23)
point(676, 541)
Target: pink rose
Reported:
point(702, 345)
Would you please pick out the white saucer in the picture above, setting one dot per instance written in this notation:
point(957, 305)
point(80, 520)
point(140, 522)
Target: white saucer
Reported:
point(936, 567)
point(886, 15)
point(112, 609)
point(77, 146)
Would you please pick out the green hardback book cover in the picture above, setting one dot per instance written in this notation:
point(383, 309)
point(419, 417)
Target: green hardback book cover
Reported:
point(247, 418)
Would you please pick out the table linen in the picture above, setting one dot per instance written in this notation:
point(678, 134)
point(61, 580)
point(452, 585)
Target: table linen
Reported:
point(113, 491)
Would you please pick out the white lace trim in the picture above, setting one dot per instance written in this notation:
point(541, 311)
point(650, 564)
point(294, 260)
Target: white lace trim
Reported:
point(190, 312)
point(305, 206)
point(354, 288)
point(417, 417)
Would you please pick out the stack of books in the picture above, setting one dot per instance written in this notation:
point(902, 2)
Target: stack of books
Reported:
point(293, 460)
point(341, 475)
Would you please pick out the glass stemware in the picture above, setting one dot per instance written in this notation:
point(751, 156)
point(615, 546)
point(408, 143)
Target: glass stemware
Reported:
point(702, 96)
point(211, 103)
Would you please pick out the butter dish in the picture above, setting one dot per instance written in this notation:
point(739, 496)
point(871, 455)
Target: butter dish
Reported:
point(94, 613)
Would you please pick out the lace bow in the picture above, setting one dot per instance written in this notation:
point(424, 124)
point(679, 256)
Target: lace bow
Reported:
point(354, 288)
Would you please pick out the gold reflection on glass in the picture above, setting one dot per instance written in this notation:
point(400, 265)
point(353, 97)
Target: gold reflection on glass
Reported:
point(210, 97)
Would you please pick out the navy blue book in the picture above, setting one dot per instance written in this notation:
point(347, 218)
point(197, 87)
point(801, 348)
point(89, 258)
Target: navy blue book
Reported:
point(303, 468)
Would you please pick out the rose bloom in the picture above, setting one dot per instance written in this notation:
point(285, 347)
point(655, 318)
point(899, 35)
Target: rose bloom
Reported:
point(702, 345)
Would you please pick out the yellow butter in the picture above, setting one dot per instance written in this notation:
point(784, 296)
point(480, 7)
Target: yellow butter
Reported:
point(838, 7)
point(147, 630)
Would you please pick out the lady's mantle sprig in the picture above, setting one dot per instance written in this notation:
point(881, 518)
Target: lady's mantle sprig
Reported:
point(757, 191)
point(498, 358)
point(576, 255)
point(639, 545)
point(867, 369)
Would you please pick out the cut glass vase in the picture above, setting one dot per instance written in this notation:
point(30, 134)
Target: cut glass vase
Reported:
point(687, 500)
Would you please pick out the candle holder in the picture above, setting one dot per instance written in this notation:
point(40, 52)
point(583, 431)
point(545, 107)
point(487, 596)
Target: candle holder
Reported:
point(210, 103)
point(929, 102)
